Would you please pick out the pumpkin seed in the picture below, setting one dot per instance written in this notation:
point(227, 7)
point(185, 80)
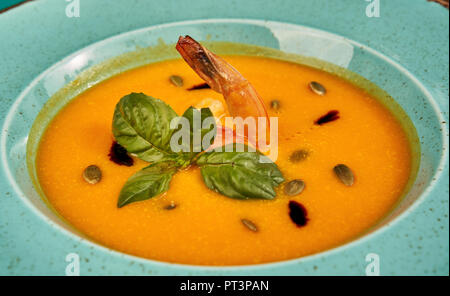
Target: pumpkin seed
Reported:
point(294, 187)
point(345, 174)
point(176, 80)
point(275, 104)
point(171, 206)
point(299, 155)
point(92, 174)
point(317, 88)
point(250, 225)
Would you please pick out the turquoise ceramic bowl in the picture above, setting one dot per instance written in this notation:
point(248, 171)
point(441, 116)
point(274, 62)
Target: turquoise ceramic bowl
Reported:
point(47, 50)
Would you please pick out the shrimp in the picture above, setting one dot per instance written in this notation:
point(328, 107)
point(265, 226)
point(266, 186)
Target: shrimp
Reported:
point(241, 98)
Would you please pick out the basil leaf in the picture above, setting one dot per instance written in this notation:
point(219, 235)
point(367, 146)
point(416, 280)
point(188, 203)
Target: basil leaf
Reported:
point(240, 175)
point(201, 132)
point(141, 124)
point(147, 183)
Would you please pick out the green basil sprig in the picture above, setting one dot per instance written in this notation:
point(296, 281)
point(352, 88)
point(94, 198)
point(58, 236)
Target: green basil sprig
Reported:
point(241, 175)
point(148, 182)
point(142, 125)
point(206, 131)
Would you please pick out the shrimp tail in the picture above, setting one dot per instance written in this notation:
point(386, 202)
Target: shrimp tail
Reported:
point(241, 98)
point(200, 60)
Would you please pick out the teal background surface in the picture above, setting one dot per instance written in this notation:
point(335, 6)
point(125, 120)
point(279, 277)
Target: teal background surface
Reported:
point(37, 34)
point(8, 3)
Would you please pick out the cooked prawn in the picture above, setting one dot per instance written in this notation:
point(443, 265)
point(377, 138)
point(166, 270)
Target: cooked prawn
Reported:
point(241, 98)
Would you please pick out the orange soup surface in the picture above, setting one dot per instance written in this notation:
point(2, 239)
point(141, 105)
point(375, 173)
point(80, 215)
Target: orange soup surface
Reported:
point(205, 228)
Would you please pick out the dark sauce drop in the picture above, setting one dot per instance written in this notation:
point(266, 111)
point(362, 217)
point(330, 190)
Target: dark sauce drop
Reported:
point(119, 155)
point(199, 86)
point(297, 212)
point(330, 116)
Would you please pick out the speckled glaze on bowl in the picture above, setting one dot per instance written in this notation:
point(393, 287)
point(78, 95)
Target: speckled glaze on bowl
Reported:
point(412, 240)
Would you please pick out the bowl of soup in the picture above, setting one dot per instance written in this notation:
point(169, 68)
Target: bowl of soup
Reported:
point(354, 155)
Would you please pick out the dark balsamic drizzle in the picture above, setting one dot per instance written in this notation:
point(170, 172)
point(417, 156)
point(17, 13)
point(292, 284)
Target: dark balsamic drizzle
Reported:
point(297, 212)
point(119, 155)
point(199, 86)
point(330, 116)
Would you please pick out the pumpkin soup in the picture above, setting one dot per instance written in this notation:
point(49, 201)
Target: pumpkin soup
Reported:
point(343, 162)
